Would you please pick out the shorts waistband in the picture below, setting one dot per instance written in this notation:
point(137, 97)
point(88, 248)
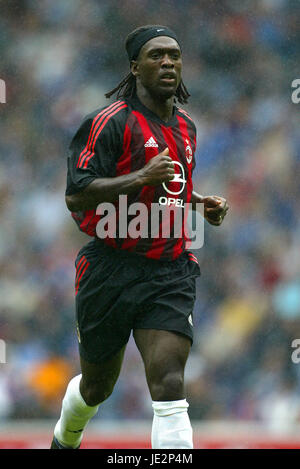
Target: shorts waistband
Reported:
point(133, 256)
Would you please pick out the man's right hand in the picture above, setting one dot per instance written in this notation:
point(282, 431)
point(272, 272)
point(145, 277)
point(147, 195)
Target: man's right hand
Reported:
point(158, 170)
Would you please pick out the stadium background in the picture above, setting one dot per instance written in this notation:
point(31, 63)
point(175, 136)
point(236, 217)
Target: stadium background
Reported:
point(58, 59)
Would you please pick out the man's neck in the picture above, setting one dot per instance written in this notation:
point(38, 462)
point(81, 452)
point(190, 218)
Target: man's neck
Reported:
point(162, 108)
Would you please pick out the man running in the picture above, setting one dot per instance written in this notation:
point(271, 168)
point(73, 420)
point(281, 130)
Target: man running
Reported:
point(141, 146)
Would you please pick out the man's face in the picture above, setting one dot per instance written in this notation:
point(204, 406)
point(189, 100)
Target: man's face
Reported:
point(158, 66)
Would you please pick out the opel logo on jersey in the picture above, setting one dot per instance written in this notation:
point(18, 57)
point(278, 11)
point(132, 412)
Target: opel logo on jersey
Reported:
point(177, 184)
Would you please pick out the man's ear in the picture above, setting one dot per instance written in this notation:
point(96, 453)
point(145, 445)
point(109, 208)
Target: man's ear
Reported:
point(134, 68)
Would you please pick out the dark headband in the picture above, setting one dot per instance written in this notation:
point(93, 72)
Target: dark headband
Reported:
point(134, 46)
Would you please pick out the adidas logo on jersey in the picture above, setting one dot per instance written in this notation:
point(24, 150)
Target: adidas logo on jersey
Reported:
point(151, 143)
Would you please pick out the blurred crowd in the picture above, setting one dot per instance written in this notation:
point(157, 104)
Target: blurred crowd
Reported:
point(239, 60)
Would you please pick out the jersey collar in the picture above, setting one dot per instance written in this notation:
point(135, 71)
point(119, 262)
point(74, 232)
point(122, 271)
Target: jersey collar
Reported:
point(139, 106)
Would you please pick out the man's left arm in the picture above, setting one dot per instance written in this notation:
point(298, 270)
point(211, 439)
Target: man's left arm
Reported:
point(215, 207)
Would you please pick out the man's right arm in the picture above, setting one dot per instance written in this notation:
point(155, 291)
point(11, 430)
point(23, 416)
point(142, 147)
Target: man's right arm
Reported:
point(158, 170)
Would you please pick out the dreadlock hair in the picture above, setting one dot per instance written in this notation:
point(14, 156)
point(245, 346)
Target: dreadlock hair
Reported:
point(127, 87)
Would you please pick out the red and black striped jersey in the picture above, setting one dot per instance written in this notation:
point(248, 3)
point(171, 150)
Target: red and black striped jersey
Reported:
point(122, 138)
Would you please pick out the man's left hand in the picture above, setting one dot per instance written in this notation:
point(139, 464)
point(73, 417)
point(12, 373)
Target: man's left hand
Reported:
point(215, 209)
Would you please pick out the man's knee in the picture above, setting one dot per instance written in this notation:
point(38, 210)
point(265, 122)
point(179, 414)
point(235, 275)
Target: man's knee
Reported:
point(167, 387)
point(95, 392)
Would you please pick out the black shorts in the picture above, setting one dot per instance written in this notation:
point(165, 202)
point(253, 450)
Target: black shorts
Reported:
point(117, 292)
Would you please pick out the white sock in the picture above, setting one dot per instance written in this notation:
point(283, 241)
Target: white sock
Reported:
point(171, 426)
point(75, 415)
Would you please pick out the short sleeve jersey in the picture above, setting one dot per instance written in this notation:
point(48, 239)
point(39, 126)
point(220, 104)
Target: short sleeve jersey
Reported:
point(119, 139)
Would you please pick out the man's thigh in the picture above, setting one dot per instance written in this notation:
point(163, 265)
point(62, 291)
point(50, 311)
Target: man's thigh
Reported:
point(102, 373)
point(98, 380)
point(162, 347)
point(162, 352)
